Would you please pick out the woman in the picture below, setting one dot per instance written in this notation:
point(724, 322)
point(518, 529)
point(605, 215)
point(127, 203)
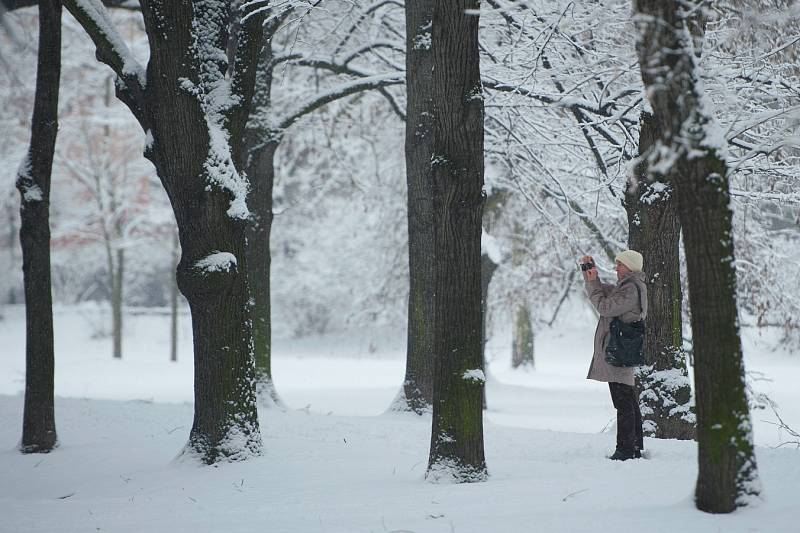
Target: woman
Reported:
point(627, 299)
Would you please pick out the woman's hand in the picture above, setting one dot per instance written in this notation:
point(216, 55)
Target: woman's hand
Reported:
point(590, 274)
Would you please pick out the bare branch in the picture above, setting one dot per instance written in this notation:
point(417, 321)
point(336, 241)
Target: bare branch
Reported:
point(131, 5)
point(346, 89)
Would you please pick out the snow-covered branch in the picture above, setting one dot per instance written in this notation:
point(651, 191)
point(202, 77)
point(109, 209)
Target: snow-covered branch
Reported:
point(341, 91)
point(112, 50)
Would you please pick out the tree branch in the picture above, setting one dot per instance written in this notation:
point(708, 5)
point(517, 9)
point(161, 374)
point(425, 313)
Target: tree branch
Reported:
point(356, 86)
point(112, 50)
point(131, 5)
point(249, 47)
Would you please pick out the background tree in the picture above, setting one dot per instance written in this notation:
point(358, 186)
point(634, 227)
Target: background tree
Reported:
point(419, 144)
point(692, 151)
point(456, 181)
point(268, 125)
point(33, 182)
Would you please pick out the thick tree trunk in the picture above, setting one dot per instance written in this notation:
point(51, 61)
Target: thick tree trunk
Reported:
point(522, 345)
point(728, 477)
point(193, 103)
point(456, 180)
point(654, 230)
point(417, 394)
point(33, 182)
point(198, 150)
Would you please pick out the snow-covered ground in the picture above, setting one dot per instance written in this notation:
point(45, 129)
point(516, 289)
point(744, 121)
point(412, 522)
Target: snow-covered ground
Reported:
point(336, 462)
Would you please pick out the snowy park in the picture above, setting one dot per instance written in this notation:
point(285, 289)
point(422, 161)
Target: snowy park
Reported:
point(336, 461)
point(395, 266)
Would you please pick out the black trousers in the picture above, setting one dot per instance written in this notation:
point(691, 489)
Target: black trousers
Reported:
point(629, 417)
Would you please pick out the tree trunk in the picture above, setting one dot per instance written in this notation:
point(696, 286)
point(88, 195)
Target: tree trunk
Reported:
point(173, 301)
point(727, 466)
point(654, 230)
point(727, 477)
point(116, 302)
point(522, 350)
point(417, 394)
point(261, 170)
point(198, 150)
point(261, 143)
point(456, 180)
point(33, 182)
point(488, 268)
point(193, 103)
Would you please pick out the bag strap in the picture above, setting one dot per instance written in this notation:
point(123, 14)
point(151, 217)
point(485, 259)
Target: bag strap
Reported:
point(641, 306)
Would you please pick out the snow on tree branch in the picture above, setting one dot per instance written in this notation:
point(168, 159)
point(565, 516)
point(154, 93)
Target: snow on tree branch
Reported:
point(112, 50)
point(338, 92)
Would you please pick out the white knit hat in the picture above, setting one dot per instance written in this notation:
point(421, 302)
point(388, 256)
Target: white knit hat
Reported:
point(631, 259)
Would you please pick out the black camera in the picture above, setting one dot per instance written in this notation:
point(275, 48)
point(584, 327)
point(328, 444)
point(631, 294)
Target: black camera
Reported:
point(587, 266)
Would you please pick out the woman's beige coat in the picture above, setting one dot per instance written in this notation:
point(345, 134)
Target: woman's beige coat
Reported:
point(620, 300)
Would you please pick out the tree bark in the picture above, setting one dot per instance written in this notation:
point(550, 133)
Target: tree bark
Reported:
point(654, 230)
point(456, 181)
point(33, 182)
point(417, 394)
point(668, 35)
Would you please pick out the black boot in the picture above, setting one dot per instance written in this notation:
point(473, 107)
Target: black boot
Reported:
point(624, 455)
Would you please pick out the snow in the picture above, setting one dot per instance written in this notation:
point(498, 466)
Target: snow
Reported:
point(33, 193)
point(655, 191)
point(213, 90)
point(475, 374)
point(217, 262)
point(491, 247)
point(422, 40)
point(334, 461)
point(99, 15)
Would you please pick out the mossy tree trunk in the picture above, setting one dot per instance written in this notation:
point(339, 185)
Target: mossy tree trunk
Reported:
point(456, 180)
point(654, 230)
point(668, 34)
point(33, 182)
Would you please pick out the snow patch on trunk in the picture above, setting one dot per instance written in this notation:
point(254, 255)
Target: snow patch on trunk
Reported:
point(476, 374)
point(217, 262)
point(213, 91)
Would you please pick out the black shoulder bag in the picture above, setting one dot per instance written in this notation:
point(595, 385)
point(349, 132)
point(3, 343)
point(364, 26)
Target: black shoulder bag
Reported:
point(626, 341)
